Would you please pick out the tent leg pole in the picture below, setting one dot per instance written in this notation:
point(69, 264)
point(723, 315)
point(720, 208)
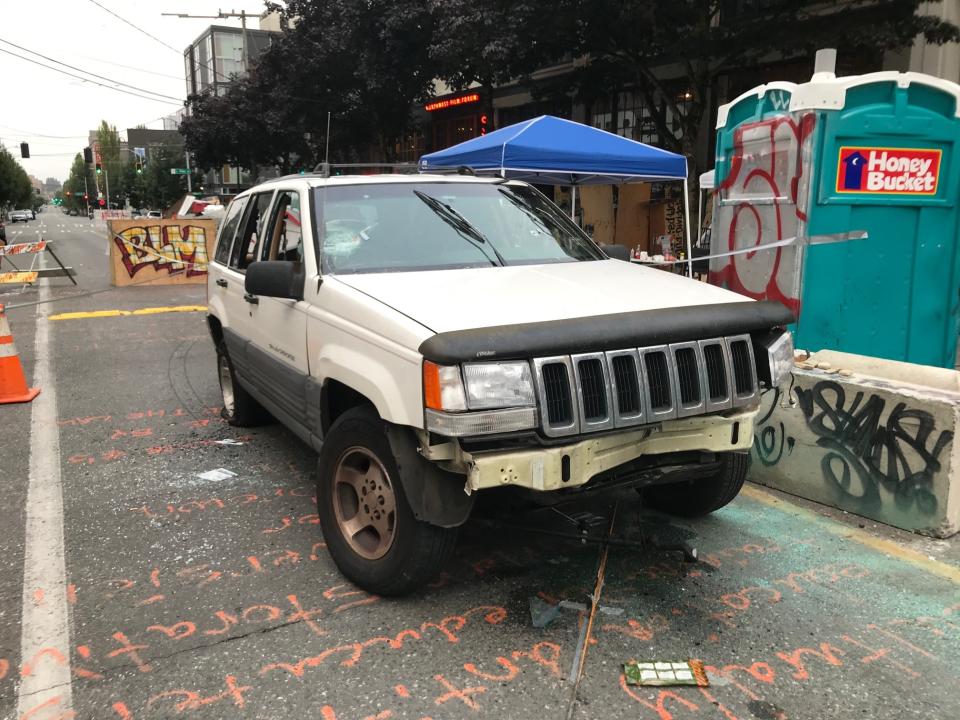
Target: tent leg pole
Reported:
point(686, 226)
point(573, 203)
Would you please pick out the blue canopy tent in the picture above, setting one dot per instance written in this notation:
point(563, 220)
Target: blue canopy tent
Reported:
point(553, 151)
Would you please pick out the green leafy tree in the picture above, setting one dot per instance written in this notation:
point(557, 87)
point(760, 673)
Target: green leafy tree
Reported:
point(113, 164)
point(74, 187)
point(628, 43)
point(16, 190)
point(367, 64)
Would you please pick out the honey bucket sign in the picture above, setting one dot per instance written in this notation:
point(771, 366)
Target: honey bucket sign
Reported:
point(888, 171)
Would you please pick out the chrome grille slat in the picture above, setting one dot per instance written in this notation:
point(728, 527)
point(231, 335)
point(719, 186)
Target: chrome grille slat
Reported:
point(593, 392)
point(634, 386)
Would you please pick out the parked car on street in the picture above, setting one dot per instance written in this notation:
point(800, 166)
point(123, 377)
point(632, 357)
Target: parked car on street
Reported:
point(434, 337)
point(154, 214)
point(3, 232)
point(21, 216)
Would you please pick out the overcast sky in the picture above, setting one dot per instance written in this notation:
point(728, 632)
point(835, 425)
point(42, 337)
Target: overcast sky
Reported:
point(37, 102)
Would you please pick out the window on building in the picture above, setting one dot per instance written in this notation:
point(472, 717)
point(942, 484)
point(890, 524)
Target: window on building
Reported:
point(632, 118)
point(228, 53)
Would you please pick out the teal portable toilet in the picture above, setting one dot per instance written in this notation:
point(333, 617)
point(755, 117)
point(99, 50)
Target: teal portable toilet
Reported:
point(839, 198)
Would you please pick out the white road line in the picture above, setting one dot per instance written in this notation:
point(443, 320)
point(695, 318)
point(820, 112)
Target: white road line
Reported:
point(45, 622)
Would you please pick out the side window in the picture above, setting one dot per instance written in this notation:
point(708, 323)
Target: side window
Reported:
point(285, 241)
point(228, 229)
point(252, 229)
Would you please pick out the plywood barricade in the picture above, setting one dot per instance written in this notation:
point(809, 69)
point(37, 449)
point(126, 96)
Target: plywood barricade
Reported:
point(160, 252)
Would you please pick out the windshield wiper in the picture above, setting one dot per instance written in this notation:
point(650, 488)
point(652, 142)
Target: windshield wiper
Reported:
point(463, 226)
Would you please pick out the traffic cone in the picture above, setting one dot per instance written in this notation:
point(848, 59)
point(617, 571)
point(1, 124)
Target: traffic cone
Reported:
point(13, 383)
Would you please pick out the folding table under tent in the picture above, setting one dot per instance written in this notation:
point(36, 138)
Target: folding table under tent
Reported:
point(552, 151)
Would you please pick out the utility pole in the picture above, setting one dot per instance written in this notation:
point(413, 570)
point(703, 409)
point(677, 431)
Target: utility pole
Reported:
point(221, 15)
point(186, 154)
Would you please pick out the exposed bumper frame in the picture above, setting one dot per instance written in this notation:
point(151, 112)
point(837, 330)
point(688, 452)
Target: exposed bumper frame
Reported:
point(543, 468)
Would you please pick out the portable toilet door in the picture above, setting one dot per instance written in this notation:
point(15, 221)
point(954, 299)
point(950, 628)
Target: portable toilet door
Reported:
point(885, 165)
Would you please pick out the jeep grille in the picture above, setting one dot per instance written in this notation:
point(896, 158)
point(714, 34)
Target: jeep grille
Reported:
point(636, 386)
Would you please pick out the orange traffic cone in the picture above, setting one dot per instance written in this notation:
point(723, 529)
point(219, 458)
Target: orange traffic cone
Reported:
point(13, 383)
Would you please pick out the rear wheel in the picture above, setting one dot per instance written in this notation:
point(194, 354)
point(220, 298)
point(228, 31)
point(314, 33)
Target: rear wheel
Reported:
point(368, 525)
point(704, 495)
point(239, 407)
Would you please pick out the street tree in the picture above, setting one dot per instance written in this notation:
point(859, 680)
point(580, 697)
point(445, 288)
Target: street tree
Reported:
point(79, 181)
point(15, 188)
point(113, 164)
point(366, 64)
point(489, 43)
point(629, 42)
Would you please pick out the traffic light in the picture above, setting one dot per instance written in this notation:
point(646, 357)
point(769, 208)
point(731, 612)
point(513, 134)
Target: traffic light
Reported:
point(139, 166)
point(102, 202)
point(68, 193)
point(99, 169)
point(86, 197)
point(87, 155)
point(24, 150)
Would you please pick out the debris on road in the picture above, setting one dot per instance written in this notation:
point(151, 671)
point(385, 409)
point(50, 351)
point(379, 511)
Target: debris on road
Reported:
point(217, 474)
point(228, 441)
point(665, 673)
point(543, 613)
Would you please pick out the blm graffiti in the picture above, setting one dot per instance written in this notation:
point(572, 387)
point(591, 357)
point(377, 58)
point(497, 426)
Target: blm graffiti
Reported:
point(873, 451)
point(168, 252)
point(165, 248)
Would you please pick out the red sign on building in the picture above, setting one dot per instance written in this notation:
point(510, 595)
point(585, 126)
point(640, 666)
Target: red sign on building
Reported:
point(452, 102)
point(888, 171)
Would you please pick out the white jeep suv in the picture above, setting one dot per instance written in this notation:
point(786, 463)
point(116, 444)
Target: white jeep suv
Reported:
point(435, 336)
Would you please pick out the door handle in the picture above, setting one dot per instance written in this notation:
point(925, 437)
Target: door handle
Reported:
point(252, 299)
point(222, 283)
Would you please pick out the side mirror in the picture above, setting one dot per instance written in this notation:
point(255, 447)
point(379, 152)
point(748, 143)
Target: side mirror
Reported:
point(616, 252)
point(275, 278)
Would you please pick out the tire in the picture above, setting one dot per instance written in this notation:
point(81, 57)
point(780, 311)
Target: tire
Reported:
point(239, 407)
point(391, 553)
point(694, 498)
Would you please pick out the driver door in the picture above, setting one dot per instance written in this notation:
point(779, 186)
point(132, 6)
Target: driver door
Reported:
point(277, 352)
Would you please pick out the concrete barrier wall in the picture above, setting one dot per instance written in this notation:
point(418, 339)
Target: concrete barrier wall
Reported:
point(873, 437)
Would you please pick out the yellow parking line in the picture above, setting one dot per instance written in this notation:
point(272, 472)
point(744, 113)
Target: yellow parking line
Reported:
point(120, 313)
point(887, 547)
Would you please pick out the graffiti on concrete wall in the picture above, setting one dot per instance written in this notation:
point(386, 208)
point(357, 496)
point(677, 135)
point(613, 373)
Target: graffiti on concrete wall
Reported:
point(872, 450)
point(171, 249)
point(868, 448)
point(763, 201)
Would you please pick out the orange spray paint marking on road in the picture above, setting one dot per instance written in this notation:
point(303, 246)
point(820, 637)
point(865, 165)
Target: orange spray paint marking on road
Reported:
point(32, 712)
point(72, 594)
point(38, 597)
point(131, 650)
point(121, 710)
point(401, 690)
point(465, 695)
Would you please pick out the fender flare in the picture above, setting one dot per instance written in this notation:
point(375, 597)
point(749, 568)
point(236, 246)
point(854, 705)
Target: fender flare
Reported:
point(435, 495)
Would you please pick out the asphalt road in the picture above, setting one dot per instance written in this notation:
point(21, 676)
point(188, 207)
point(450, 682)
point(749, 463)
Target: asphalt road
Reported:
point(178, 596)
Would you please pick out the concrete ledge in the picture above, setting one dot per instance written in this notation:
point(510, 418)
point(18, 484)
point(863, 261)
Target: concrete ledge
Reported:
point(871, 436)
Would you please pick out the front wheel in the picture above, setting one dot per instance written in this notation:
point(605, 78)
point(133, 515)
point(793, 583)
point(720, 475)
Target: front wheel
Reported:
point(368, 525)
point(693, 498)
point(239, 407)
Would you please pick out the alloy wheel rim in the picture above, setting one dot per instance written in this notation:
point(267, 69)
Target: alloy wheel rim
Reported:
point(364, 503)
point(226, 384)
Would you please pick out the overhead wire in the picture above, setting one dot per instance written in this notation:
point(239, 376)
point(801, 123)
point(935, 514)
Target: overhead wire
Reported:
point(87, 72)
point(88, 80)
point(136, 27)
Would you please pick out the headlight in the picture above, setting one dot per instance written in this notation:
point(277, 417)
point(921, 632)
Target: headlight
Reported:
point(780, 358)
point(498, 385)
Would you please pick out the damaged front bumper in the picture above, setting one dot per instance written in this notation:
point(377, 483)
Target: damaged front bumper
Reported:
point(566, 466)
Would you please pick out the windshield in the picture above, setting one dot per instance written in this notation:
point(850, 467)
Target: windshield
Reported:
point(395, 227)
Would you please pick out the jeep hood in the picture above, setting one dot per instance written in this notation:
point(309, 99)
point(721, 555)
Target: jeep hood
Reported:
point(451, 300)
